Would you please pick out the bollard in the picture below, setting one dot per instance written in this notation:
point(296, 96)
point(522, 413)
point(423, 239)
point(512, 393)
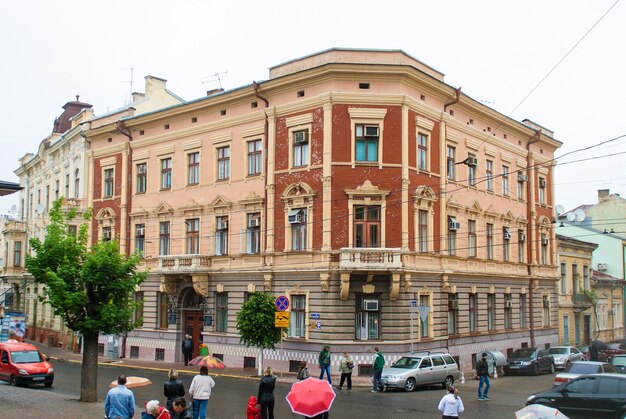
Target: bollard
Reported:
point(495, 372)
point(462, 378)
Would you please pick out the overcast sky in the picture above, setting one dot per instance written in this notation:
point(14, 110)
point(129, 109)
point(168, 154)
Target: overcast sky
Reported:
point(498, 51)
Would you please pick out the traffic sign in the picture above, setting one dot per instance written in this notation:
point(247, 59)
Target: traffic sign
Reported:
point(281, 303)
point(281, 319)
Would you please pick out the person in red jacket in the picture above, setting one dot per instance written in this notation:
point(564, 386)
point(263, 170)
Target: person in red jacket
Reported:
point(254, 410)
point(154, 410)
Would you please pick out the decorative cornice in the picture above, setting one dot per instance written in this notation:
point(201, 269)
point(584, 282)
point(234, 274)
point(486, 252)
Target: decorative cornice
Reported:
point(168, 149)
point(109, 161)
point(253, 131)
point(222, 137)
point(422, 122)
point(367, 113)
point(306, 118)
point(141, 155)
point(191, 144)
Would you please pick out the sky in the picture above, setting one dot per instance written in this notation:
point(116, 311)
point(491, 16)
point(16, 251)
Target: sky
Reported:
point(537, 59)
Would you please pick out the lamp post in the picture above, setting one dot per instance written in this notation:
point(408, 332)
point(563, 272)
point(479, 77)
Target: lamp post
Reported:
point(206, 316)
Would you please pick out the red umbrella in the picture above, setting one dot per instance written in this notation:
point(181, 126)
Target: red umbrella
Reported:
point(207, 361)
point(311, 397)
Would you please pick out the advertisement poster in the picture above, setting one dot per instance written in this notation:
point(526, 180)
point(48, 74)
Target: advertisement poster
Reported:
point(17, 327)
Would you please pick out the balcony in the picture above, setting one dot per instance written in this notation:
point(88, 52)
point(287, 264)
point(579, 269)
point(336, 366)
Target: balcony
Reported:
point(370, 258)
point(184, 263)
point(581, 300)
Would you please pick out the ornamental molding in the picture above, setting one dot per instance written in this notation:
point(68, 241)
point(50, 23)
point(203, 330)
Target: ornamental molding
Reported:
point(367, 113)
point(201, 284)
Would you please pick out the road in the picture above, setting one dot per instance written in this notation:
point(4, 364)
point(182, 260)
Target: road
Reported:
point(230, 395)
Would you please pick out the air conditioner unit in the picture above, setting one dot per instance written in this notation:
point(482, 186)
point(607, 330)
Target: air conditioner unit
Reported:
point(301, 137)
point(222, 225)
point(141, 231)
point(522, 177)
point(508, 304)
point(371, 131)
point(295, 218)
point(522, 237)
point(602, 266)
point(507, 234)
point(253, 222)
point(453, 224)
point(542, 183)
point(471, 161)
point(544, 242)
point(371, 305)
point(453, 304)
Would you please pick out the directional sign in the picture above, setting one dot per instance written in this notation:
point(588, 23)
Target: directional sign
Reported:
point(315, 316)
point(281, 303)
point(281, 319)
point(413, 303)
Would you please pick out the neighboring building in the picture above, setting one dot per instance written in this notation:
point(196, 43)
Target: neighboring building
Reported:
point(575, 288)
point(605, 215)
point(6, 287)
point(609, 307)
point(356, 182)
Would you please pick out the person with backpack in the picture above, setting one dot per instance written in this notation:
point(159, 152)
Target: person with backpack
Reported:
point(482, 372)
point(345, 368)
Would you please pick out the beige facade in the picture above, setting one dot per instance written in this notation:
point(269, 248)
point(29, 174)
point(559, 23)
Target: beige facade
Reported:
point(609, 307)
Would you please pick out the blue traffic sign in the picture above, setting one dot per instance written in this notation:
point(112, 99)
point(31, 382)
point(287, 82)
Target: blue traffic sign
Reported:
point(281, 303)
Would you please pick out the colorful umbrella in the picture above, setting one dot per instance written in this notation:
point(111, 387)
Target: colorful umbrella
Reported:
point(311, 397)
point(133, 382)
point(539, 411)
point(207, 361)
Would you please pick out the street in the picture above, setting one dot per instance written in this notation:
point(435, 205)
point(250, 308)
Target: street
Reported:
point(230, 396)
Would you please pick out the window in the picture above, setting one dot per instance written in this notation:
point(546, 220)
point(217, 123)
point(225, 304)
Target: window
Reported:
point(72, 230)
point(505, 180)
point(300, 148)
point(471, 169)
point(508, 306)
point(164, 238)
point(297, 322)
point(422, 151)
point(221, 312)
point(166, 173)
point(575, 279)
point(17, 254)
point(542, 190)
point(56, 189)
point(453, 314)
point(138, 313)
point(506, 242)
point(473, 312)
point(450, 162)
point(563, 278)
point(163, 310)
point(586, 277)
point(223, 163)
point(522, 311)
point(253, 233)
point(544, 249)
point(423, 231)
point(489, 241)
point(221, 236)
point(424, 301)
point(546, 310)
point(106, 234)
point(367, 137)
point(193, 168)
point(489, 175)
point(142, 177)
point(367, 226)
point(520, 186)
point(521, 239)
point(193, 236)
point(47, 198)
point(491, 311)
point(67, 185)
point(471, 238)
point(76, 184)
point(140, 238)
point(254, 157)
point(451, 242)
point(367, 325)
point(298, 222)
point(108, 183)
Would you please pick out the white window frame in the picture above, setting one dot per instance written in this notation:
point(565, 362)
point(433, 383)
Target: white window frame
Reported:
point(367, 116)
point(304, 321)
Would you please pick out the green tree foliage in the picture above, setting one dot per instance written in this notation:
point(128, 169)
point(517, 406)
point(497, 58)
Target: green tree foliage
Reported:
point(91, 288)
point(255, 322)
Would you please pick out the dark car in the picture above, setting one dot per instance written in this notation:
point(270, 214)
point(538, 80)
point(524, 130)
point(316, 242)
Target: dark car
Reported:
point(619, 363)
point(585, 350)
point(589, 396)
point(613, 349)
point(529, 360)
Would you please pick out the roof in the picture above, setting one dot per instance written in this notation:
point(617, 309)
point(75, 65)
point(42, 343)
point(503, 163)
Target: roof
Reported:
point(19, 346)
point(575, 241)
point(7, 188)
point(71, 109)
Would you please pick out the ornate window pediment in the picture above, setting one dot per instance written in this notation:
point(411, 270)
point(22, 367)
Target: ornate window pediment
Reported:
point(252, 200)
point(298, 194)
point(425, 194)
point(163, 209)
point(220, 204)
point(366, 192)
point(191, 206)
point(106, 214)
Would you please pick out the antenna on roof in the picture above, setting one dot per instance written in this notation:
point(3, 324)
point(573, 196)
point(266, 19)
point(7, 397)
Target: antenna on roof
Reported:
point(130, 82)
point(214, 77)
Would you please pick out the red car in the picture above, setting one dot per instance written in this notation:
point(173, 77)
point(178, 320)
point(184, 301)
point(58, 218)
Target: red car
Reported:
point(614, 349)
point(23, 364)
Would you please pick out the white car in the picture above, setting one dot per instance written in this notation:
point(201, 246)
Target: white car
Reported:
point(576, 369)
point(421, 369)
point(565, 355)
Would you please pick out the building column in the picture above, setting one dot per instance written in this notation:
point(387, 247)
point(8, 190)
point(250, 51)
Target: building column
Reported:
point(326, 177)
point(405, 175)
point(270, 192)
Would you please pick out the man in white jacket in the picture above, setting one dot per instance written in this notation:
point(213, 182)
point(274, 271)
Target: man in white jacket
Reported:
point(200, 392)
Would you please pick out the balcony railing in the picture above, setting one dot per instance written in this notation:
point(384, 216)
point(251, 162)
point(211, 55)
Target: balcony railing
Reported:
point(367, 258)
point(580, 299)
point(184, 263)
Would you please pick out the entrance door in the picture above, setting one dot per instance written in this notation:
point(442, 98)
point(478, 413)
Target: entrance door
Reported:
point(194, 321)
point(587, 330)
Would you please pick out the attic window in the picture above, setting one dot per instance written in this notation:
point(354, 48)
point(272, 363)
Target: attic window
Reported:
point(301, 93)
point(166, 126)
point(141, 132)
point(451, 112)
point(109, 140)
point(364, 85)
point(254, 104)
point(422, 97)
point(471, 121)
point(194, 120)
point(504, 136)
point(223, 112)
point(488, 129)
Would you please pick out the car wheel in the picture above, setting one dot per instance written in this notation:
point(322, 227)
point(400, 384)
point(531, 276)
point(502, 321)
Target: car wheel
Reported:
point(567, 364)
point(409, 385)
point(535, 370)
point(552, 369)
point(48, 384)
point(448, 382)
point(13, 381)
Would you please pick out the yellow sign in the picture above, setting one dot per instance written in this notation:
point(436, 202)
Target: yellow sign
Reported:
point(281, 319)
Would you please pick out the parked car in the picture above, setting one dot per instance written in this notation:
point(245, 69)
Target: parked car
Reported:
point(23, 364)
point(585, 350)
point(576, 369)
point(589, 396)
point(619, 363)
point(529, 360)
point(564, 355)
point(614, 348)
point(421, 369)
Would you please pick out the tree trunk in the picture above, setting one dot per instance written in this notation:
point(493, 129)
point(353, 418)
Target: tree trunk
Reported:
point(89, 369)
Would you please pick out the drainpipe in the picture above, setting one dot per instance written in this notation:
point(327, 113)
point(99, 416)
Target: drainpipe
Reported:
point(457, 94)
point(256, 86)
point(529, 235)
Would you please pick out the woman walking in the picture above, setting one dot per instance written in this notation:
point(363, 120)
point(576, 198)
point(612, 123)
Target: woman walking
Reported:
point(266, 394)
point(303, 372)
point(451, 404)
point(172, 389)
point(200, 392)
point(345, 368)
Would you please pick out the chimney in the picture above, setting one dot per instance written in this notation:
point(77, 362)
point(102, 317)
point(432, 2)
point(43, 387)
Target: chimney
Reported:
point(214, 92)
point(602, 193)
point(154, 84)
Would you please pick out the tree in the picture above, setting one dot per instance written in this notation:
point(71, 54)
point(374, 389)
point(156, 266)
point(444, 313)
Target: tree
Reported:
point(255, 323)
point(90, 288)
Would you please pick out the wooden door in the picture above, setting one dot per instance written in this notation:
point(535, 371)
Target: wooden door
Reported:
point(194, 321)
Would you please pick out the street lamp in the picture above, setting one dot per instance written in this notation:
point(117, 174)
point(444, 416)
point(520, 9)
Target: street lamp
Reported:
point(208, 318)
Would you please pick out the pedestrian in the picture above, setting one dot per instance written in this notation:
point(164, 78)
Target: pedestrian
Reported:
point(200, 392)
point(451, 404)
point(324, 363)
point(187, 348)
point(155, 410)
point(265, 395)
point(254, 410)
point(173, 388)
point(120, 401)
point(482, 372)
point(593, 352)
point(345, 368)
point(303, 372)
point(180, 409)
point(324, 415)
point(379, 363)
